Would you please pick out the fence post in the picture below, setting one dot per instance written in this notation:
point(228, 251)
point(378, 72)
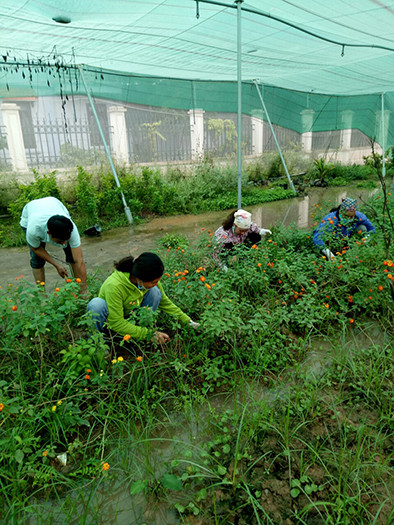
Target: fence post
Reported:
point(307, 124)
point(16, 145)
point(346, 132)
point(196, 117)
point(119, 142)
point(257, 135)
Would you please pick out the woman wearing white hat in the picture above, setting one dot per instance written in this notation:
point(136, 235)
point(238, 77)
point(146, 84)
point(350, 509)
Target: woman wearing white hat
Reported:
point(237, 228)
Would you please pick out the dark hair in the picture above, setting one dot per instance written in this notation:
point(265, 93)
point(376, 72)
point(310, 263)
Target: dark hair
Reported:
point(147, 267)
point(229, 221)
point(60, 227)
point(336, 210)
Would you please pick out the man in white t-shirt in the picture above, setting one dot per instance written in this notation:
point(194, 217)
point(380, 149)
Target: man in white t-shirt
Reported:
point(47, 221)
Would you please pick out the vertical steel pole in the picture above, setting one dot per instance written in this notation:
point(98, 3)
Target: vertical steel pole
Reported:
point(126, 208)
point(239, 82)
point(383, 138)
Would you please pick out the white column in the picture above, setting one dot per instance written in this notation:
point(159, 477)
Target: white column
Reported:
point(257, 135)
point(119, 142)
point(196, 117)
point(346, 132)
point(16, 145)
point(307, 123)
point(378, 134)
point(303, 213)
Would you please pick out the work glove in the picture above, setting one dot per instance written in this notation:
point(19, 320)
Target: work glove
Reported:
point(193, 324)
point(263, 231)
point(330, 256)
point(223, 267)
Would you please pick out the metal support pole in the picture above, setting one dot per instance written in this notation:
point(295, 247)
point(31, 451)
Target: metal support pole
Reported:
point(239, 117)
point(126, 208)
point(383, 138)
point(276, 140)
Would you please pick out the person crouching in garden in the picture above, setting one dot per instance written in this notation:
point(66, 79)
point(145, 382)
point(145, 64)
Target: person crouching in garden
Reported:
point(47, 220)
point(338, 226)
point(134, 283)
point(236, 229)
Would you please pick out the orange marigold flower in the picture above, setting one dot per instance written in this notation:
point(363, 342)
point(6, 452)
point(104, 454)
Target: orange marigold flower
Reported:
point(57, 289)
point(45, 453)
point(139, 358)
point(78, 280)
point(202, 278)
point(106, 466)
point(254, 246)
point(127, 337)
point(380, 287)
point(208, 286)
point(1, 406)
point(258, 264)
point(389, 276)
point(87, 376)
point(88, 371)
point(351, 321)
point(14, 308)
point(68, 280)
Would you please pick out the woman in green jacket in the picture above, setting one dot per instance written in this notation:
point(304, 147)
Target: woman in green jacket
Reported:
point(134, 283)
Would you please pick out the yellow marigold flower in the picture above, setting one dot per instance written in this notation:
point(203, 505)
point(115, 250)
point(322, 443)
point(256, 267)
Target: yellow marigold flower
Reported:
point(114, 361)
point(127, 337)
point(59, 402)
point(53, 408)
point(57, 289)
point(42, 283)
point(106, 466)
point(45, 453)
point(120, 358)
point(78, 280)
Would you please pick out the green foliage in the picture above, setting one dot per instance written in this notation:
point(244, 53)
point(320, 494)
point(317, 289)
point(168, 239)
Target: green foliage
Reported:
point(237, 398)
point(323, 169)
point(43, 186)
point(73, 156)
point(86, 199)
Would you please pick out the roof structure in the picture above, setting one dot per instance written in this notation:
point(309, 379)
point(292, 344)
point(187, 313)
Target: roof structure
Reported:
point(340, 47)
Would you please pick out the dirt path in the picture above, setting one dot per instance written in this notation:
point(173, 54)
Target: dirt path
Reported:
point(100, 252)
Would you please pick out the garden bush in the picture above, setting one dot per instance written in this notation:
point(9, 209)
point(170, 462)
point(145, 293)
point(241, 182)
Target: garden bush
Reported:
point(101, 405)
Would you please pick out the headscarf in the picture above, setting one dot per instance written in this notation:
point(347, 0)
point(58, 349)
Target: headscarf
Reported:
point(242, 219)
point(349, 204)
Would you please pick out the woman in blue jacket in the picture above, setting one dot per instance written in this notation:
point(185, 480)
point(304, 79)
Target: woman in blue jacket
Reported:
point(340, 224)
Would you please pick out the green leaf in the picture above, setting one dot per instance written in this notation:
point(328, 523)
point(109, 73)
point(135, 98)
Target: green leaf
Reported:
point(137, 487)
point(19, 455)
point(226, 448)
point(222, 470)
point(294, 493)
point(170, 481)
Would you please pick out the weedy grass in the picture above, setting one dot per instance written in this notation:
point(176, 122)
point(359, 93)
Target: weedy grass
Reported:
point(227, 423)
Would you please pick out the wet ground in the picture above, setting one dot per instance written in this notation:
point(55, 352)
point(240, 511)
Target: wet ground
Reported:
point(100, 252)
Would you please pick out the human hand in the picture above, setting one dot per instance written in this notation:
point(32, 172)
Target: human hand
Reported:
point(193, 324)
point(263, 231)
point(160, 337)
point(330, 256)
point(62, 271)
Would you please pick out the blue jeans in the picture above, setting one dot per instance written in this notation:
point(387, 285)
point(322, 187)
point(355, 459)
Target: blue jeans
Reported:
point(99, 308)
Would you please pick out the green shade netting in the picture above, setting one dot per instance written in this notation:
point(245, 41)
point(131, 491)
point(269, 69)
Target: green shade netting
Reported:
point(320, 64)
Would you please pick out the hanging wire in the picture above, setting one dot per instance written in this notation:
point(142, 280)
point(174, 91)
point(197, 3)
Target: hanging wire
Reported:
point(197, 9)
